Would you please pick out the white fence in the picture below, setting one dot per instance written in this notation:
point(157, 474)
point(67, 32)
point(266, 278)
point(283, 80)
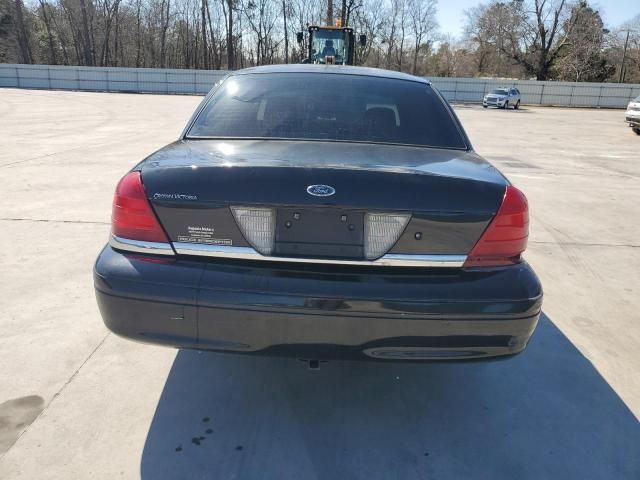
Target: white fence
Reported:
point(112, 79)
point(109, 79)
point(570, 94)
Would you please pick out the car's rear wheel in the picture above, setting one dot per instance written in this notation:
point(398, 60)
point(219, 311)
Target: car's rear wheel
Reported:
point(636, 130)
point(517, 105)
point(484, 106)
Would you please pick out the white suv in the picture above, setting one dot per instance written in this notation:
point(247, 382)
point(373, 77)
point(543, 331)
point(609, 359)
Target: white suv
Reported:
point(633, 114)
point(502, 98)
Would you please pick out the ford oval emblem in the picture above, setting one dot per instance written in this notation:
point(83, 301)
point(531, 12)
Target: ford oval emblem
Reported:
point(321, 190)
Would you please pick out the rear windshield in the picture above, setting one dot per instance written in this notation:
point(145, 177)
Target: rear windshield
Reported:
point(333, 107)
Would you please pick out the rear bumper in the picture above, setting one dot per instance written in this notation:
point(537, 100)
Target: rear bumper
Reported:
point(312, 311)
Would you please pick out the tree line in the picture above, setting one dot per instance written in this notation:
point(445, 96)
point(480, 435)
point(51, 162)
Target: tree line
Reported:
point(542, 39)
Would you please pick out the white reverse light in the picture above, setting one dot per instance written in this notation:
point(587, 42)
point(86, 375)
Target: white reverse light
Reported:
point(258, 226)
point(381, 232)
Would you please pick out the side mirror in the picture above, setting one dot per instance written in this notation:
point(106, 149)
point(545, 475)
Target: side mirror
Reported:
point(300, 37)
point(363, 40)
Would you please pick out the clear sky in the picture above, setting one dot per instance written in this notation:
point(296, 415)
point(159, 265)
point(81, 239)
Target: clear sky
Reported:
point(614, 12)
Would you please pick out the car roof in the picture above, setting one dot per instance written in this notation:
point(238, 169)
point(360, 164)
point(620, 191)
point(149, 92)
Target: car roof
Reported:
point(331, 69)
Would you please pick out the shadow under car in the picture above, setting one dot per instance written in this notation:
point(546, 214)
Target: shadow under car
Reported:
point(544, 414)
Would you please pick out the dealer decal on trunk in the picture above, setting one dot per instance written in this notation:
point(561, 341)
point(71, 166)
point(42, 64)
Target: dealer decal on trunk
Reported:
point(203, 234)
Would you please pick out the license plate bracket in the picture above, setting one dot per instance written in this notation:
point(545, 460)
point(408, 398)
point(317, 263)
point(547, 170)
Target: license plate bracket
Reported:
point(320, 232)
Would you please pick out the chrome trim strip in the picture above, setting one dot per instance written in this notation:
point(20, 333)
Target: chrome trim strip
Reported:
point(404, 260)
point(389, 260)
point(139, 246)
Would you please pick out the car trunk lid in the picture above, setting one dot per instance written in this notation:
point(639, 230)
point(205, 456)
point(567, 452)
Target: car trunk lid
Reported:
point(450, 194)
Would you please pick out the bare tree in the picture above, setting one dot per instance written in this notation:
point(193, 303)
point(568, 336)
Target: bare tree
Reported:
point(486, 47)
point(86, 36)
point(53, 58)
point(214, 34)
point(511, 38)
point(228, 7)
point(262, 19)
point(109, 13)
point(286, 30)
point(390, 32)
point(626, 60)
point(582, 57)
point(165, 12)
point(22, 34)
point(529, 32)
point(205, 48)
point(369, 20)
point(403, 17)
point(138, 33)
point(422, 14)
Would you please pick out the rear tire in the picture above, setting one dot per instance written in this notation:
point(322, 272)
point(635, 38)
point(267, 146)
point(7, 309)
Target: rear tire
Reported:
point(517, 105)
point(484, 106)
point(636, 130)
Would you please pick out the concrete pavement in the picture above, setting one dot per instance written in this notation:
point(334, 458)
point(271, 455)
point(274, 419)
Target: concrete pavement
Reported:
point(78, 402)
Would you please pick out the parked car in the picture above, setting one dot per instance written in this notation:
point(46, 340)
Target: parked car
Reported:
point(321, 212)
point(633, 115)
point(502, 98)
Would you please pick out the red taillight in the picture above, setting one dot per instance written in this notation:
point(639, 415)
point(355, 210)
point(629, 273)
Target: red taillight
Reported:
point(132, 216)
point(506, 236)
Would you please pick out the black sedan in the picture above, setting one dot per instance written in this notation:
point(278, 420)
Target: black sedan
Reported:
point(321, 212)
